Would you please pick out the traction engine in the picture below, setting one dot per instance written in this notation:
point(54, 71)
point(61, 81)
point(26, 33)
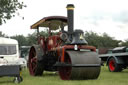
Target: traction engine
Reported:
point(66, 51)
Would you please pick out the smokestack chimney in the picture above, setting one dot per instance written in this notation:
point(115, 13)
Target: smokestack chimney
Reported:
point(70, 14)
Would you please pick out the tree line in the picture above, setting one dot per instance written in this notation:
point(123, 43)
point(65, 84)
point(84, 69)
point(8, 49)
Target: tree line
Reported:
point(93, 38)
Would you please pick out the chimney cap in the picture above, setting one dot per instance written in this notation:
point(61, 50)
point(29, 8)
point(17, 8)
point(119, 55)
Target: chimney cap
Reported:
point(70, 6)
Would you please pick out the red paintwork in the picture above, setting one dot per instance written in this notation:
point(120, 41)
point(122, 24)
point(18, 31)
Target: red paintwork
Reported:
point(71, 47)
point(53, 42)
point(65, 72)
point(112, 65)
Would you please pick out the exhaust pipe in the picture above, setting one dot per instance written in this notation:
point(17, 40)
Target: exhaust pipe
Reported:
point(70, 14)
point(75, 37)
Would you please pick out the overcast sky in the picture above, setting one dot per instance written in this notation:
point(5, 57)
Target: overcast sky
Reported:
point(110, 16)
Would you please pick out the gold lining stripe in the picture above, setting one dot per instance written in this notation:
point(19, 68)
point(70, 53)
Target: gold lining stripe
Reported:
point(70, 8)
point(36, 24)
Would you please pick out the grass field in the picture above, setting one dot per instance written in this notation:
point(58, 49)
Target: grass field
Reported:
point(105, 78)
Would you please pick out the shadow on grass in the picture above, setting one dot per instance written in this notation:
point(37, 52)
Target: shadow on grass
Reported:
point(50, 74)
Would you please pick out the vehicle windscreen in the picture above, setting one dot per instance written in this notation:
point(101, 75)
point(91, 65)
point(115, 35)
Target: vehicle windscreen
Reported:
point(7, 49)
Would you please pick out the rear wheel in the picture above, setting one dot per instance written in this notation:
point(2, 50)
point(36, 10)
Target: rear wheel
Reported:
point(35, 66)
point(113, 66)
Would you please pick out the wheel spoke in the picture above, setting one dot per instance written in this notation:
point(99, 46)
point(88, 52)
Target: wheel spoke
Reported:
point(34, 60)
point(34, 68)
point(34, 64)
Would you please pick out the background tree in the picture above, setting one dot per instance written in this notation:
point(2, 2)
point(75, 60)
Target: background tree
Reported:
point(2, 34)
point(94, 39)
point(29, 40)
point(101, 41)
point(32, 39)
point(21, 40)
point(125, 43)
point(8, 8)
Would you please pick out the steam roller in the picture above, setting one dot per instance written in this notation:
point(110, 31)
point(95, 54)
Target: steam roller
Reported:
point(66, 51)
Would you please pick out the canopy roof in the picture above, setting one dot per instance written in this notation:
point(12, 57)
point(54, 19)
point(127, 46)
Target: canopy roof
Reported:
point(53, 22)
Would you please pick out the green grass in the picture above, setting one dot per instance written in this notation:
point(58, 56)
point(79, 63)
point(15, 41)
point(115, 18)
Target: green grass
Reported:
point(105, 78)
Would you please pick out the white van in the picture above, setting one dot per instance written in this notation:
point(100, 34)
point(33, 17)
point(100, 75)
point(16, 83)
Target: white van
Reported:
point(9, 52)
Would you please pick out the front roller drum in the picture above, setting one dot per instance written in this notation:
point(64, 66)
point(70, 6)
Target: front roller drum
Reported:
point(84, 65)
